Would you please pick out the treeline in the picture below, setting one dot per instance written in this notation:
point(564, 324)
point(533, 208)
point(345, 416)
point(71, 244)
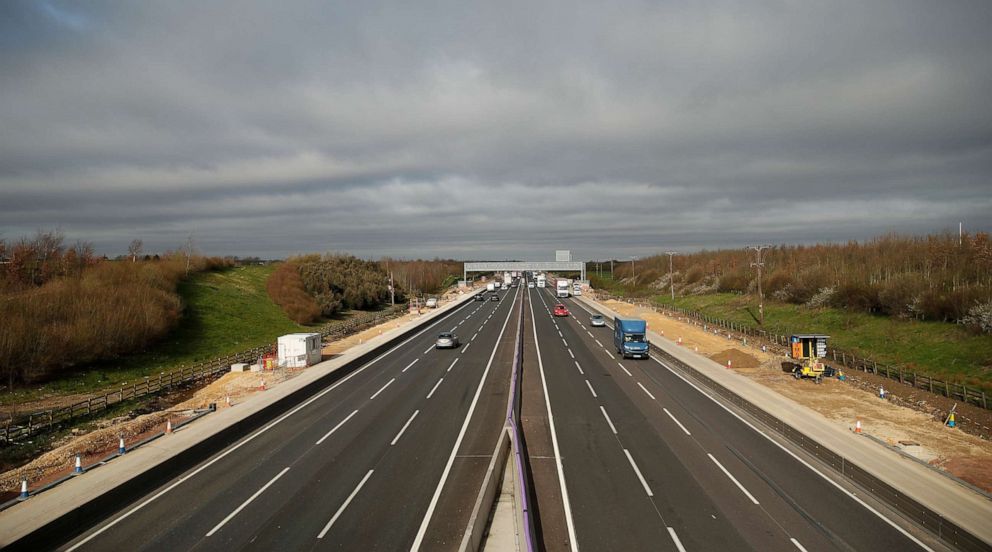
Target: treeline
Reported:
point(313, 286)
point(932, 277)
point(62, 306)
point(421, 277)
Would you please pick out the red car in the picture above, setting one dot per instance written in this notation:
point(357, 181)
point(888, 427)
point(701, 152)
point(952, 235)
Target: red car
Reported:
point(560, 310)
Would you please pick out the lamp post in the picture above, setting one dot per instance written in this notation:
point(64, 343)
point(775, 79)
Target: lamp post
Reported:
point(671, 280)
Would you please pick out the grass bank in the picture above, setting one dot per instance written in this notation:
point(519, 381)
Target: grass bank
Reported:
point(224, 312)
point(942, 350)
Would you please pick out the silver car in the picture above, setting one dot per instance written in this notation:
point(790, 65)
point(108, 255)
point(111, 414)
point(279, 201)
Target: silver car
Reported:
point(446, 340)
point(597, 321)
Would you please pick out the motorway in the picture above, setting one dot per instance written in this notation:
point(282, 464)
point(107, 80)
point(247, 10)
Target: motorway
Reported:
point(651, 463)
point(384, 459)
point(624, 455)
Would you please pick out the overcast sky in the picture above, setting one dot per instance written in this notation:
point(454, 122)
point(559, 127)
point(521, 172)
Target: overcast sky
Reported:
point(492, 130)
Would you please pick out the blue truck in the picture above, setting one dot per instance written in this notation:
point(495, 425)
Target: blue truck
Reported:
point(629, 337)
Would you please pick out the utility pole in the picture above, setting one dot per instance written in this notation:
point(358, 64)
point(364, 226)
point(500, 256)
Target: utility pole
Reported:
point(611, 269)
point(671, 280)
point(633, 274)
point(759, 264)
point(392, 290)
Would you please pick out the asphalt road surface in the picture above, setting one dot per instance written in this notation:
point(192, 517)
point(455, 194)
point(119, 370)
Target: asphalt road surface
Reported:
point(362, 465)
point(651, 463)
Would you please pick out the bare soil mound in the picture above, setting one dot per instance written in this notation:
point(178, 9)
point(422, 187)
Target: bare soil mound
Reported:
point(737, 358)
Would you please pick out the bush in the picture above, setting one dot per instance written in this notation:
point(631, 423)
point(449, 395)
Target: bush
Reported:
point(286, 289)
point(898, 296)
point(856, 296)
point(733, 282)
point(343, 282)
point(980, 317)
point(694, 274)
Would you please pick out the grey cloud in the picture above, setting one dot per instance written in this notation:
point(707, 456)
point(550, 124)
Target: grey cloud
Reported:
point(503, 130)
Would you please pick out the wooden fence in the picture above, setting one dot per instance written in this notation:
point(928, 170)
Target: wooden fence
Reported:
point(22, 427)
point(955, 391)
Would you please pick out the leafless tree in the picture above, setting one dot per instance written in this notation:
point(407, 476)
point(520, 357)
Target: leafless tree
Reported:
point(134, 250)
point(187, 250)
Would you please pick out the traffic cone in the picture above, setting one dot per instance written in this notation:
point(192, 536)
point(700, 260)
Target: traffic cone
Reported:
point(79, 465)
point(857, 426)
point(24, 490)
point(662, 332)
point(680, 340)
point(696, 349)
point(168, 426)
point(950, 421)
point(261, 386)
point(120, 446)
point(228, 400)
point(728, 364)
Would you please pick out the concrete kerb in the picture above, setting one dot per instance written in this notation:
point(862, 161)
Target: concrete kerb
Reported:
point(49, 519)
point(945, 497)
point(484, 503)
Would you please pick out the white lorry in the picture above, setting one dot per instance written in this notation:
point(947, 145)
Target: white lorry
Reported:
point(541, 281)
point(562, 287)
point(491, 286)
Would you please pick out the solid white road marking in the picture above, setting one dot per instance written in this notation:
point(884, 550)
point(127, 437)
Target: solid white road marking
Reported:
point(409, 365)
point(625, 370)
point(407, 424)
point(345, 505)
point(732, 478)
point(272, 424)
point(452, 364)
point(799, 546)
point(335, 428)
point(853, 497)
point(461, 435)
point(429, 395)
point(638, 472)
point(579, 367)
point(675, 539)
point(591, 390)
point(645, 389)
point(574, 543)
point(247, 502)
point(383, 388)
point(608, 420)
point(670, 415)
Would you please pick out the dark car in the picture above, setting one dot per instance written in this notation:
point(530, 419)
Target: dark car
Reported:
point(494, 297)
point(480, 297)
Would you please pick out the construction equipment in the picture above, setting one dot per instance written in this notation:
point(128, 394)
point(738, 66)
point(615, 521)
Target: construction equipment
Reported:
point(806, 352)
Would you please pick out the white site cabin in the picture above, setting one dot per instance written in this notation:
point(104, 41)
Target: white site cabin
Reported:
point(299, 350)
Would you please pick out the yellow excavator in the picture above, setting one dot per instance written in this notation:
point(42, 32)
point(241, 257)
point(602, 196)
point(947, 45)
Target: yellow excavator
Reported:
point(806, 352)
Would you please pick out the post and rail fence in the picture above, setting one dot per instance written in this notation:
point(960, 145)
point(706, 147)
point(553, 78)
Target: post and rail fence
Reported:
point(19, 428)
point(955, 391)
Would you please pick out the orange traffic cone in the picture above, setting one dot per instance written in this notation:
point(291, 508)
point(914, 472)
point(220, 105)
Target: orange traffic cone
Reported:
point(728, 364)
point(857, 426)
point(261, 386)
point(168, 426)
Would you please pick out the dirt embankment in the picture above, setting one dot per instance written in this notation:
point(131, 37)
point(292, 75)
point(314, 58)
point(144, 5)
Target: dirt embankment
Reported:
point(909, 419)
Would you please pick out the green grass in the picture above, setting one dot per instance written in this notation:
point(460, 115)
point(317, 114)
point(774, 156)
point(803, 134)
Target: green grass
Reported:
point(225, 312)
point(942, 350)
point(946, 351)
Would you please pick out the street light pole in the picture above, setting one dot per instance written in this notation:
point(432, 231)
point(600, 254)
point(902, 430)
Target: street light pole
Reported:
point(759, 264)
point(671, 279)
